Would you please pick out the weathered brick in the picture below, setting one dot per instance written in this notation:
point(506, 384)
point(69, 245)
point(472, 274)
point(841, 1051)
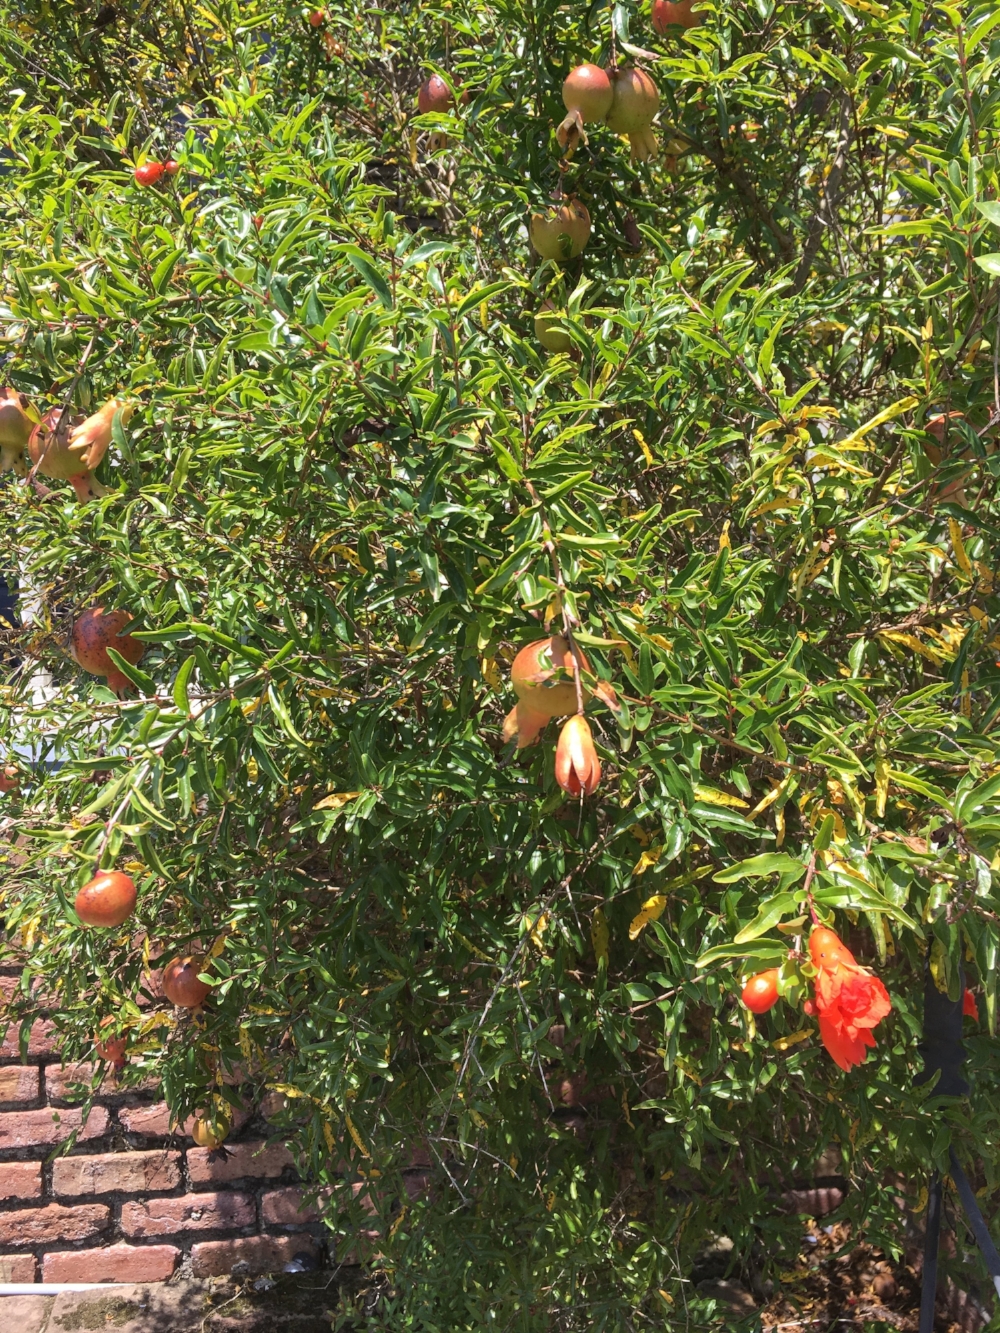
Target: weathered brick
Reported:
point(192, 1212)
point(18, 1083)
point(18, 1268)
point(113, 1263)
point(20, 1180)
point(286, 1208)
point(154, 1121)
point(42, 1226)
point(242, 1161)
point(252, 1254)
point(103, 1173)
point(38, 1129)
point(42, 1040)
point(60, 1078)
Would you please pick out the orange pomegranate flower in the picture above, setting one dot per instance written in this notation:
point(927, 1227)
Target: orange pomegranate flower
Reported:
point(849, 1000)
point(578, 768)
point(970, 1007)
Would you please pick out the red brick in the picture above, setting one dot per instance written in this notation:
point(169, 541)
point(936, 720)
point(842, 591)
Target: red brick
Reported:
point(285, 1208)
point(155, 1121)
point(18, 1268)
point(193, 1212)
point(18, 1083)
point(259, 1254)
point(59, 1079)
point(42, 1040)
point(20, 1180)
point(40, 1226)
point(242, 1161)
point(114, 1263)
point(103, 1173)
point(36, 1129)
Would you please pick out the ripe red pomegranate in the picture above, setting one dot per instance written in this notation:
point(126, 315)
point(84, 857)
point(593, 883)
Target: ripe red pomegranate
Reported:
point(316, 18)
point(668, 14)
point(588, 90)
point(180, 983)
point(550, 328)
point(111, 1048)
point(149, 173)
point(171, 168)
point(15, 430)
point(636, 102)
point(562, 232)
point(94, 633)
point(586, 94)
point(106, 900)
point(9, 780)
point(434, 95)
point(761, 992)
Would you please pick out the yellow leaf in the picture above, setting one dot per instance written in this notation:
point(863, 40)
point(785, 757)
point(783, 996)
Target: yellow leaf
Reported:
point(536, 929)
point(135, 867)
point(252, 770)
point(958, 546)
point(712, 796)
point(652, 910)
point(649, 858)
point(904, 404)
point(490, 673)
point(882, 771)
point(641, 442)
point(331, 1142)
point(336, 800)
point(599, 936)
point(966, 701)
point(640, 834)
point(399, 1220)
point(793, 1038)
point(771, 797)
point(218, 945)
point(358, 1141)
point(725, 542)
point(938, 964)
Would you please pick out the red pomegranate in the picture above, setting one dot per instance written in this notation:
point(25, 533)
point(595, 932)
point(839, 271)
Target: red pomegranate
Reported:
point(171, 167)
point(561, 232)
point(9, 780)
point(111, 1048)
point(149, 173)
point(15, 431)
point(435, 95)
point(180, 983)
point(550, 328)
point(636, 102)
point(586, 94)
point(316, 18)
point(106, 900)
point(94, 633)
point(667, 14)
point(588, 90)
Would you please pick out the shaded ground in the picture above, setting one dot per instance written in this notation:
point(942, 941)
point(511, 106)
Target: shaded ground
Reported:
point(836, 1285)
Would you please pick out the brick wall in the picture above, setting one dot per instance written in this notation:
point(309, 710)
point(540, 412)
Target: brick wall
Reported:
point(132, 1202)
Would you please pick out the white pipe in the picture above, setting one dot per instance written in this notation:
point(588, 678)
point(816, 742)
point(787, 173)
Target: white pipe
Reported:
point(51, 1288)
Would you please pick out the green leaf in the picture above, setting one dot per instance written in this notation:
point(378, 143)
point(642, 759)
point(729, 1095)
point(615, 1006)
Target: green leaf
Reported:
point(769, 913)
point(768, 863)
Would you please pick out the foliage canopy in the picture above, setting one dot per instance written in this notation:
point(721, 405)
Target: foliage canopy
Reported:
point(355, 485)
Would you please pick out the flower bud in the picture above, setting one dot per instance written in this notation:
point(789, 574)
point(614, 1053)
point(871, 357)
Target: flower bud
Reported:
point(578, 768)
